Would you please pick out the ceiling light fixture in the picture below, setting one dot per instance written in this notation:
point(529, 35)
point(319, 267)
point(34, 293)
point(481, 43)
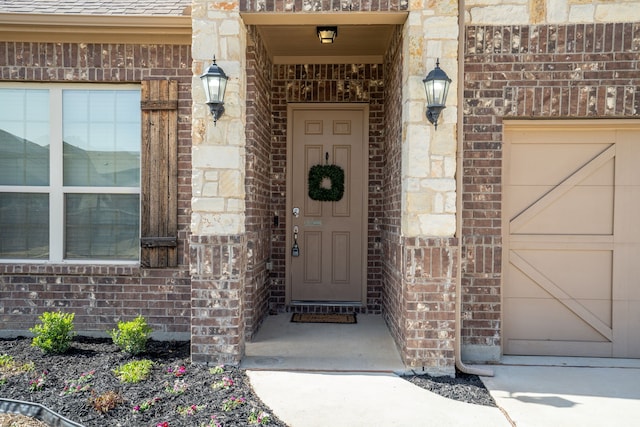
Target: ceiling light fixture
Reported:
point(327, 34)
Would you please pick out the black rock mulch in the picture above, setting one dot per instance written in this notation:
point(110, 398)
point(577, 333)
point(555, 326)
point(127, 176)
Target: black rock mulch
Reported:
point(464, 387)
point(176, 393)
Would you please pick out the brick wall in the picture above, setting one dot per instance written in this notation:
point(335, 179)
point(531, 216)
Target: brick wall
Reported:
point(539, 71)
point(419, 273)
point(328, 83)
point(392, 192)
point(259, 216)
point(323, 6)
point(102, 295)
point(218, 280)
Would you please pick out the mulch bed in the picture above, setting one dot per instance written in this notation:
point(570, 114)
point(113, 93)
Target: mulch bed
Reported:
point(463, 387)
point(206, 394)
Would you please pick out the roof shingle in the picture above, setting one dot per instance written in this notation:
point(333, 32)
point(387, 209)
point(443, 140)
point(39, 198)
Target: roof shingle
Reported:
point(98, 7)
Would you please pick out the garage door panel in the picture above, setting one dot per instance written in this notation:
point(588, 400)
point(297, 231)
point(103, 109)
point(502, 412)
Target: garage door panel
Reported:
point(582, 210)
point(632, 338)
point(549, 164)
point(572, 238)
point(553, 322)
point(628, 214)
point(581, 274)
point(555, 348)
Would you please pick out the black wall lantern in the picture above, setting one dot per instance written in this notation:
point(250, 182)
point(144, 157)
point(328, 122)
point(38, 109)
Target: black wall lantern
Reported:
point(436, 84)
point(214, 81)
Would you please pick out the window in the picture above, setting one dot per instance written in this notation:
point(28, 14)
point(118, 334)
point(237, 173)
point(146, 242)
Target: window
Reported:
point(69, 173)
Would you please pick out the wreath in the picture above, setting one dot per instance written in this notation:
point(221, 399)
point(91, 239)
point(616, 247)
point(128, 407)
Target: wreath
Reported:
point(317, 174)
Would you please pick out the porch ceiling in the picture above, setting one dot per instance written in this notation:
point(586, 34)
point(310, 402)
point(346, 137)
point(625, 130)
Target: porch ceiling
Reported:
point(362, 37)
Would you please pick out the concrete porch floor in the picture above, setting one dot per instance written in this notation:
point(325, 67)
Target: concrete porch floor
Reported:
point(366, 346)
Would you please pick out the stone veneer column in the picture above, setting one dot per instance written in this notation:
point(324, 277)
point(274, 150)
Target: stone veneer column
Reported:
point(429, 191)
point(218, 242)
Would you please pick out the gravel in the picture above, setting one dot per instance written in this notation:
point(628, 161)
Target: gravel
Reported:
point(464, 387)
point(206, 393)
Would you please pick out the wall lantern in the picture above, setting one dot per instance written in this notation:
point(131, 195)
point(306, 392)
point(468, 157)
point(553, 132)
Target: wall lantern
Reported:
point(327, 34)
point(436, 84)
point(214, 81)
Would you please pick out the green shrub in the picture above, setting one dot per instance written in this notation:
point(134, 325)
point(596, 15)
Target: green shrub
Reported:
point(134, 372)
point(132, 336)
point(55, 333)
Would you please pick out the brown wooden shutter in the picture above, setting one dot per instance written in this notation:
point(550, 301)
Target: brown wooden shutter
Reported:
point(159, 186)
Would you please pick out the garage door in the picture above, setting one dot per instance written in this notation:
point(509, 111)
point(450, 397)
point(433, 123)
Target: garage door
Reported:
point(571, 218)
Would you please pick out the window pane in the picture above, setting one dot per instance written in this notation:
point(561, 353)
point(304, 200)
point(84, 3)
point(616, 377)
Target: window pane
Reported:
point(24, 137)
point(102, 226)
point(24, 226)
point(101, 132)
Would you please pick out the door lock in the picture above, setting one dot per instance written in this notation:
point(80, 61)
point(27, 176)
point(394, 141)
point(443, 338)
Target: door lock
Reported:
point(296, 212)
point(295, 250)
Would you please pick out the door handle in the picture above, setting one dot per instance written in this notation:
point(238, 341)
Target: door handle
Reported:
point(295, 249)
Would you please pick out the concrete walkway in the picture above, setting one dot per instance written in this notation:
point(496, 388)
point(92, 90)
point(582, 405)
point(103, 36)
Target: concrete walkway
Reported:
point(343, 375)
point(559, 392)
point(303, 399)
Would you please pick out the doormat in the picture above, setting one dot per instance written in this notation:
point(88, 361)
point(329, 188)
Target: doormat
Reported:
point(323, 318)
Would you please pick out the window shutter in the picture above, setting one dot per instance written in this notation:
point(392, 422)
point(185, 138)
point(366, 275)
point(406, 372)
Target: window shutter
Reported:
point(159, 180)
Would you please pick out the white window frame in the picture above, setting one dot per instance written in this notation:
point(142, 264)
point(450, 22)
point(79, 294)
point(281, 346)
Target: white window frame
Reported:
point(56, 189)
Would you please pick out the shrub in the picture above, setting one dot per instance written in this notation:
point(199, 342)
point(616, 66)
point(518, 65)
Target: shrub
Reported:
point(134, 372)
point(55, 333)
point(132, 336)
point(106, 401)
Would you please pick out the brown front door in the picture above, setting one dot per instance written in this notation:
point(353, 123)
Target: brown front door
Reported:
point(330, 235)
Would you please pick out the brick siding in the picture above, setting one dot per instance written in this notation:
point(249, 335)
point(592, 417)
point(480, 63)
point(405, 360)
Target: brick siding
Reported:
point(323, 6)
point(102, 295)
point(218, 272)
point(259, 215)
point(542, 71)
point(392, 192)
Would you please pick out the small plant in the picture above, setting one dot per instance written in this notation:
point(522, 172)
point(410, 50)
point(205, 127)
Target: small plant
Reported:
point(213, 422)
point(38, 383)
point(179, 387)
point(131, 337)
point(225, 383)
point(106, 401)
point(55, 333)
point(83, 383)
point(9, 367)
point(164, 424)
point(216, 370)
point(178, 371)
point(259, 418)
point(145, 405)
point(232, 403)
point(134, 372)
point(190, 410)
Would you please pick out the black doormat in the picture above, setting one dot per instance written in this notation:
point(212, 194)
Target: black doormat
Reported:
point(323, 318)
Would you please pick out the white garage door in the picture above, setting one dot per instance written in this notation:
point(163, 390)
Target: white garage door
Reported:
point(571, 218)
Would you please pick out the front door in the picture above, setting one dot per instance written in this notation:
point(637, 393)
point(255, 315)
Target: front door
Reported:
point(329, 260)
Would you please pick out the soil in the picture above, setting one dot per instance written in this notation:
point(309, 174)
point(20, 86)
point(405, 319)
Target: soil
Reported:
point(206, 395)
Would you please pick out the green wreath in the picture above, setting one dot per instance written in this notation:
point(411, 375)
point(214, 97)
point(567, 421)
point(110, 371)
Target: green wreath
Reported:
point(319, 173)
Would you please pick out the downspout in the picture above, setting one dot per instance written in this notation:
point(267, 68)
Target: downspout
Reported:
point(459, 158)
